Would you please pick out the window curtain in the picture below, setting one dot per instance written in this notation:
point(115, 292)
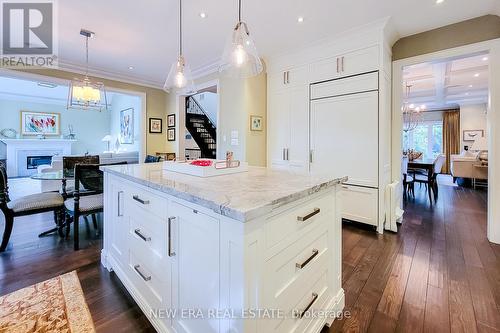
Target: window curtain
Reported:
point(451, 136)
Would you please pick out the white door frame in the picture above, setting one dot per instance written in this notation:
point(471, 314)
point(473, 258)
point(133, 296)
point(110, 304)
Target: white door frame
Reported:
point(493, 120)
point(39, 77)
point(180, 106)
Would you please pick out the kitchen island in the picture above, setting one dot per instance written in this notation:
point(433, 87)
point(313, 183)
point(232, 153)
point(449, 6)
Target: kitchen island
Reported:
point(258, 251)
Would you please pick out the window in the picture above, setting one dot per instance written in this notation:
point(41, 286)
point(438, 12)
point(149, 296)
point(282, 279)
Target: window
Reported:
point(426, 138)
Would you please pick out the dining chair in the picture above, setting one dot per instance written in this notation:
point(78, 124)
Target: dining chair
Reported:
point(69, 163)
point(87, 198)
point(408, 181)
point(27, 205)
point(431, 182)
point(152, 159)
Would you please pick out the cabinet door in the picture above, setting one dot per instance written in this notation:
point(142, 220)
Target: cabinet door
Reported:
point(298, 148)
point(276, 81)
point(297, 76)
point(326, 69)
point(279, 128)
point(360, 61)
point(119, 223)
point(195, 268)
point(344, 137)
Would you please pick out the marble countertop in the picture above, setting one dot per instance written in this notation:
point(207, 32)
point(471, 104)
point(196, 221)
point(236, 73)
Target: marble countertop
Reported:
point(242, 196)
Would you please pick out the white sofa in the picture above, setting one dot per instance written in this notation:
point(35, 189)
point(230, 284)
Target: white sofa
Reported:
point(462, 166)
point(104, 158)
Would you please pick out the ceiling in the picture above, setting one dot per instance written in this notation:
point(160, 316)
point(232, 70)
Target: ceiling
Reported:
point(144, 34)
point(448, 83)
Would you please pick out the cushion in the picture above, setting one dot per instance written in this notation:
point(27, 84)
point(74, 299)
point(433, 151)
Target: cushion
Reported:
point(87, 203)
point(36, 201)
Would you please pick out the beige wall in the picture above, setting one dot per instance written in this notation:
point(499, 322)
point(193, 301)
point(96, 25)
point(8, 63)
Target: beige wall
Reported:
point(472, 117)
point(463, 33)
point(156, 106)
point(238, 99)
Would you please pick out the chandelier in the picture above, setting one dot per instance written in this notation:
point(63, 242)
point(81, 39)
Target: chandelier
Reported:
point(85, 94)
point(412, 116)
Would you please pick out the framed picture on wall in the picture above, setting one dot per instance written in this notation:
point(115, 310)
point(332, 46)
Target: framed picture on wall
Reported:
point(256, 123)
point(171, 134)
point(171, 120)
point(127, 126)
point(472, 135)
point(155, 125)
point(40, 123)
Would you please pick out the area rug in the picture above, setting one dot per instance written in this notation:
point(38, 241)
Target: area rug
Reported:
point(55, 305)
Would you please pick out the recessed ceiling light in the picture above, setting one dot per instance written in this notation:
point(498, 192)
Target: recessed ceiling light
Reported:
point(300, 19)
point(485, 58)
point(439, 1)
point(476, 75)
point(131, 67)
point(470, 85)
point(203, 15)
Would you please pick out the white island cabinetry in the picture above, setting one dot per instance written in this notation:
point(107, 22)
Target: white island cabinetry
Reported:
point(197, 261)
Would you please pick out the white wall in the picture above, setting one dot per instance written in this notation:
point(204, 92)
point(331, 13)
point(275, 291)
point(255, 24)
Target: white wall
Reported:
point(89, 126)
point(208, 101)
point(472, 117)
point(121, 102)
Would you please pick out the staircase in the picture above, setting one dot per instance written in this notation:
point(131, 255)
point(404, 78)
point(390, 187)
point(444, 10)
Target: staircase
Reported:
point(201, 127)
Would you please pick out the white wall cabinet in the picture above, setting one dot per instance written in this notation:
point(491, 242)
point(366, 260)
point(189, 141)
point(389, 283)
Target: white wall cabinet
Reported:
point(348, 118)
point(289, 142)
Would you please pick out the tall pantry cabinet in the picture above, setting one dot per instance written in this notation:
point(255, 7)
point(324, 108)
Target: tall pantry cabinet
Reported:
point(329, 112)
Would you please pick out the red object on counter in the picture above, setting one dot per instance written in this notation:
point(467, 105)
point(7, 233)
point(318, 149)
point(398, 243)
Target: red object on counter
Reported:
point(202, 163)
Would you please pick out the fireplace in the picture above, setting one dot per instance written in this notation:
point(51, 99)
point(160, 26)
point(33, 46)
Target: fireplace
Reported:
point(32, 162)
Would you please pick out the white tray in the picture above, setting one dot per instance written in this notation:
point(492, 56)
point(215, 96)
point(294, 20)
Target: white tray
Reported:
point(199, 171)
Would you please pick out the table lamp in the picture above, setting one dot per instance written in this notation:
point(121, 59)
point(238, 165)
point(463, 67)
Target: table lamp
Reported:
point(481, 145)
point(108, 138)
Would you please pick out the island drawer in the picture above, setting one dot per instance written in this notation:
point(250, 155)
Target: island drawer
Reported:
point(138, 198)
point(289, 226)
point(148, 239)
point(151, 286)
point(311, 297)
point(291, 269)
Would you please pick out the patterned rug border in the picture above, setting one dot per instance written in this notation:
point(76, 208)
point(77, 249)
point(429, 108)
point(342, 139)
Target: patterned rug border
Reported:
point(79, 317)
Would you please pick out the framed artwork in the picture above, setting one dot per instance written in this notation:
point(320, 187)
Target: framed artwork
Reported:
point(36, 123)
point(256, 123)
point(155, 125)
point(171, 120)
point(472, 135)
point(171, 134)
point(127, 126)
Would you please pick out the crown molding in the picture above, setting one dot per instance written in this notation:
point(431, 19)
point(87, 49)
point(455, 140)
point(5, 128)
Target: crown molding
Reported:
point(108, 75)
point(205, 70)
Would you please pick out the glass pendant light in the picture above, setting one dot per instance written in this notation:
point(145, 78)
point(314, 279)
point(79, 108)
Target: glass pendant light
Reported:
point(240, 58)
point(179, 77)
point(83, 93)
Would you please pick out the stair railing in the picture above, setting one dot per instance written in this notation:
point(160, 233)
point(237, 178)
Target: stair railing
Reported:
point(193, 107)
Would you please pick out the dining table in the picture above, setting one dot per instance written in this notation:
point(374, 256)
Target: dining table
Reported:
point(427, 165)
point(55, 175)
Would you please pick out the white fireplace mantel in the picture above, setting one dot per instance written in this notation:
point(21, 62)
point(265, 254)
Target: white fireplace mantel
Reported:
point(18, 149)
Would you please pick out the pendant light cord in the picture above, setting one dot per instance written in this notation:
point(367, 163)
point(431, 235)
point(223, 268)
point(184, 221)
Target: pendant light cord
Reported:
point(180, 27)
point(87, 56)
point(239, 10)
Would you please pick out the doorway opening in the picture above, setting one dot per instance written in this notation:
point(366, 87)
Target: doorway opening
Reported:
point(444, 134)
point(200, 130)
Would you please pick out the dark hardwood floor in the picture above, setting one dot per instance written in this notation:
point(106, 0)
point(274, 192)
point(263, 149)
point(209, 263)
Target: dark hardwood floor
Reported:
point(438, 274)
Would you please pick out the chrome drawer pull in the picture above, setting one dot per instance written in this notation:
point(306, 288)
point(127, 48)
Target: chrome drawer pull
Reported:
point(170, 252)
point(314, 298)
point(120, 213)
point(308, 260)
point(144, 202)
point(144, 277)
point(144, 238)
point(308, 216)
